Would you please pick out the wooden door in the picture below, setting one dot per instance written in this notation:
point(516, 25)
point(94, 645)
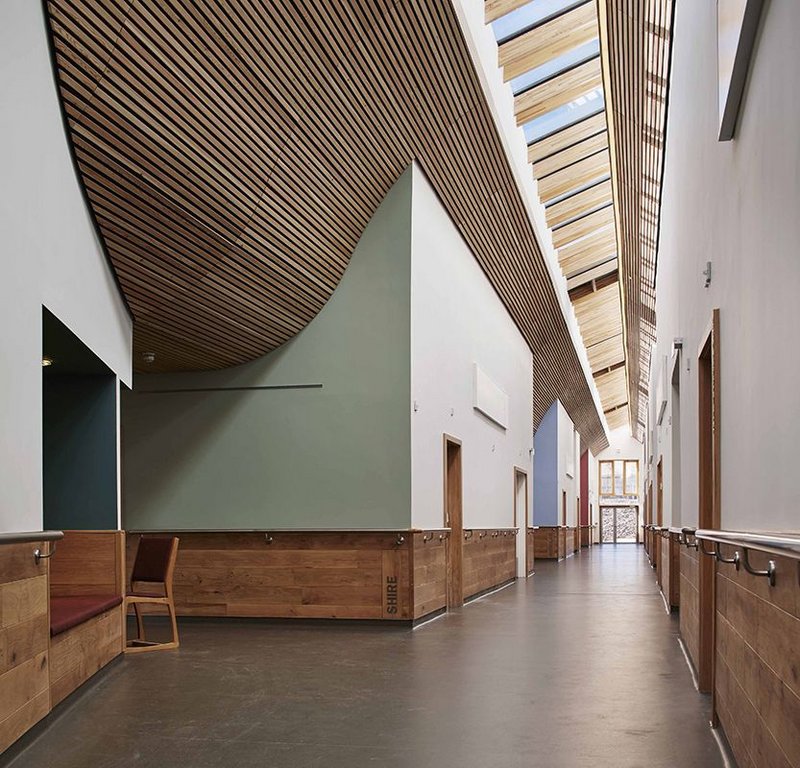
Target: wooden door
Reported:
point(454, 520)
point(709, 496)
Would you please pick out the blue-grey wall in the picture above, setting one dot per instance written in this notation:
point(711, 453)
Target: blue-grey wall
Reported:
point(80, 451)
point(545, 470)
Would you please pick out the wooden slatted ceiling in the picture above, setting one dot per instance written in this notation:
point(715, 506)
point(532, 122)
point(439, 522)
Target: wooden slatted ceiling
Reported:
point(613, 388)
point(575, 205)
point(566, 137)
point(233, 154)
point(572, 167)
point(557, 91)
point(636, 39)
point(497, 8)
point(549, 40)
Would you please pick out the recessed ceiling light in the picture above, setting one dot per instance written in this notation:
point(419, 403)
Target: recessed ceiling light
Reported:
point(149, 357)
point(46, 361)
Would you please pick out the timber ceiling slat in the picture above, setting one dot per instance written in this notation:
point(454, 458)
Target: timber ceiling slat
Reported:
point(575, 176)
point(606, 353)
point(617, 418)
point(548, 40)
point(497, 8)
point(582, 202)
point(586, 225)
point(566, 137)
point(638, 42)
point(603, 269)
point(234, 153)
point(582, 255)
point(557, 91)
point(570, 155)
point(613, 388)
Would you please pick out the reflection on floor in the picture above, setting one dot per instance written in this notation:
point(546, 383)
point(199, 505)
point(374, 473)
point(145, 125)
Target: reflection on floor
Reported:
point(578, 666)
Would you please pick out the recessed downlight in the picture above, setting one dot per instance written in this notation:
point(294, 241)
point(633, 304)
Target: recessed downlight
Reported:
point(47, 361)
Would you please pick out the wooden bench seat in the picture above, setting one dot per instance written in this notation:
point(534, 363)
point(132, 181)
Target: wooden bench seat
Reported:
point(86, 621)
point(69, 612)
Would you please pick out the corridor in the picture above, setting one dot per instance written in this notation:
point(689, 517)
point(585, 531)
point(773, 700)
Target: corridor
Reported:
point(577, 666)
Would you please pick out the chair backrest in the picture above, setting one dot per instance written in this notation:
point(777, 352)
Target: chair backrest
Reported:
point(155, 559)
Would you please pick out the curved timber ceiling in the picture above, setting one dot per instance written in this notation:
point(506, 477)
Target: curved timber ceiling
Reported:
point(233, 153)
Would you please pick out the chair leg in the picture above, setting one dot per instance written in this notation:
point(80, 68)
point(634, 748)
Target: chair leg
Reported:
point(137, 609)
point(173, 619)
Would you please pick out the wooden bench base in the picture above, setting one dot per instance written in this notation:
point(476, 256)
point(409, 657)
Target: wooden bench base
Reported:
point(80, 652)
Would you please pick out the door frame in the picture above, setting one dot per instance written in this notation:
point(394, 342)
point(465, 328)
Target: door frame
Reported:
point(453, 516)
point(709, 494)
point(522, 529)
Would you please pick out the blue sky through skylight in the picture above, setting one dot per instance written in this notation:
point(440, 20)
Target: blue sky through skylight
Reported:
point(556, 119)
point(524, 17)
point(568, 59)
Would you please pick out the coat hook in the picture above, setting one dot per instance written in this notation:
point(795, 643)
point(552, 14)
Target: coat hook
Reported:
point(39, 555)
point(268, 538)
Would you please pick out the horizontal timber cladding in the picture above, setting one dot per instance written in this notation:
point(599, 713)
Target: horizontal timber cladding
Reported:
point(690, 602)
point(757, 680)
point(24, 640)
point(546, 542)
point(233, 154)
point(430, 572)
point(636, 38)
point(490, 559)
point(303, 574)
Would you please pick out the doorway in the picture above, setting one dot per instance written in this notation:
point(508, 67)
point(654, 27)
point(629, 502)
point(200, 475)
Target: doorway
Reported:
point(708, 375)
point(521, 520)
point(619, 525)
point(454, 520)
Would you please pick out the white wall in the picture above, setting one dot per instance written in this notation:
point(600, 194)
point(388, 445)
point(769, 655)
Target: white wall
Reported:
point(736, 204)
point(49, 256)
point(458, 320)
point(568, 461)
point(500, 99)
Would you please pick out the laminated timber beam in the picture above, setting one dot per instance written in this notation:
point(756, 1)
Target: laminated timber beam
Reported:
point(548, 40)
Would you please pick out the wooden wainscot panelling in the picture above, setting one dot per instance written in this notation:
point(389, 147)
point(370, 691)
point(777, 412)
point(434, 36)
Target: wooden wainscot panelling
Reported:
point(490, 559)
point(546, 542)
point(24, 639)
point(530, 551)
point(572, 540)
point(586, 536)
point(86, 563)
point(293, 574)
point(429, 572)
point(674, 570)
point(690, 602)
point(757, 680)
point(78, 653)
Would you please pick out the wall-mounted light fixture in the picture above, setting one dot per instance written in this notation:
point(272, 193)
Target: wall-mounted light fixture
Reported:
point(47, 361)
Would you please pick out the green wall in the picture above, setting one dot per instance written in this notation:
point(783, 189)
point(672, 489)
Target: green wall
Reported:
point(79, 451)
point(335, 456)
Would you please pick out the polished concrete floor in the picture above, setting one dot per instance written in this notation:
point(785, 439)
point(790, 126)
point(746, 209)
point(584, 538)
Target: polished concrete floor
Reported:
point(578, 666)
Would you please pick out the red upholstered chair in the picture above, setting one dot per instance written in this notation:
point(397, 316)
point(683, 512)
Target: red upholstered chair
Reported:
point(152, 572)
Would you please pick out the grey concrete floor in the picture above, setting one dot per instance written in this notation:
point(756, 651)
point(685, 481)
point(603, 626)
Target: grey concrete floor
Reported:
point(577, 666)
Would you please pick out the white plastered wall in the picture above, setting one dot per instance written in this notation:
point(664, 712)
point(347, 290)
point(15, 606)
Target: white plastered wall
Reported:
point(49, 255)
point(736, 204)
point(458, 320)
point(568, 466)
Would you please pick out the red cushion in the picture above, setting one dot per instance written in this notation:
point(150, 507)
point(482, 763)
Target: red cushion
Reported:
point(68, 612)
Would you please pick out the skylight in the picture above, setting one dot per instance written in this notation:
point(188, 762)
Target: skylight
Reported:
point(527, 16)
point(584, 106)
point(556, 65)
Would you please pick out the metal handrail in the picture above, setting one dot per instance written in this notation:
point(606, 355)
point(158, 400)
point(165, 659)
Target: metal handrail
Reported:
point(778, 544)
point(29, 537)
